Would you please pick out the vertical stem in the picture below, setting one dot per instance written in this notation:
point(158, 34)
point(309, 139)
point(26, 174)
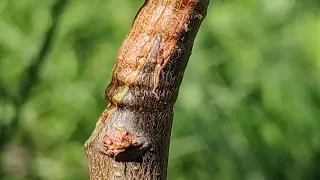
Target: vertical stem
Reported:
point(131, 138)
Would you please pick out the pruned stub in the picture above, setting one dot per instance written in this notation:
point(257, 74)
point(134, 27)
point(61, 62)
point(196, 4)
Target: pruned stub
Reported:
point(118, 143)
point(117, 140)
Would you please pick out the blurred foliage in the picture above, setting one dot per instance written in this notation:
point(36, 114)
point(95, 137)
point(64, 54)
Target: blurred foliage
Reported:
point(248, 107)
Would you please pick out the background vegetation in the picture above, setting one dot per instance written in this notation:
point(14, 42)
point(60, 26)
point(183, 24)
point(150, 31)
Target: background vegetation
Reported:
point(248, 107)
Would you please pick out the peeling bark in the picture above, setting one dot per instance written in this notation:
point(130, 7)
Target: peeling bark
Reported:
point(132, 136)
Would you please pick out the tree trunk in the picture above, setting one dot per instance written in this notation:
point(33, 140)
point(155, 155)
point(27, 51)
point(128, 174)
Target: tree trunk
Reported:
point(131, 138)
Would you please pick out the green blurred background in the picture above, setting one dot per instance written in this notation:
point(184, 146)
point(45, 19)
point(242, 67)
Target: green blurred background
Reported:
point(248, 108)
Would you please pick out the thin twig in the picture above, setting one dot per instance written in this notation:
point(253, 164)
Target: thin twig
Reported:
point(31, 75)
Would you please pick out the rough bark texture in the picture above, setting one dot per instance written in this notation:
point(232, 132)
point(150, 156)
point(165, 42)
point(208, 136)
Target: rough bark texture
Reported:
point(131, 138)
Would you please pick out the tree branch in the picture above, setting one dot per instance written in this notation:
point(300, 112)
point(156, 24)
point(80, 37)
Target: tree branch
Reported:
point(131, 138)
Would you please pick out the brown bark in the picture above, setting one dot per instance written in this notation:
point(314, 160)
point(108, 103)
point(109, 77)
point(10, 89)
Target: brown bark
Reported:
point(131, 138)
